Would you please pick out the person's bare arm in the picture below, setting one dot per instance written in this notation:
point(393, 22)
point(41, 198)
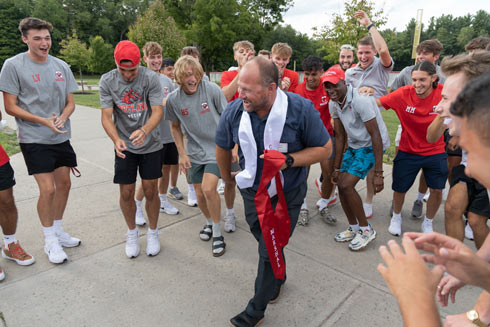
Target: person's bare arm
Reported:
point(11, 108)
point(310, 155)
point(111, 131)
point(377, 143)
point(184, 161)
point(340, 139)
point(435, 129)
point(223, 157)
point(379, 42)
point(60, 121)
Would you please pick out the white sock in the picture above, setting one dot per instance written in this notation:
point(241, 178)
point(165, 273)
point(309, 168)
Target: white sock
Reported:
point(57, 226)
point(230, 212)
point(163, 197)
point(133, 231)
point(420, 196)
point(368, 209)
point(304, 205)
point(355, 227)
point(191, 187)
point(397, 215)
point(7, 239)
point(209, 221)
point(49, 232)
point(138, 203)
point(365, 228)
point(217, 229)
point(427, 220)
point(152, 231)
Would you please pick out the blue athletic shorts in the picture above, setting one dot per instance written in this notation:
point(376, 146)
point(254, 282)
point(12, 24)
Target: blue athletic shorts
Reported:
point(358, 162)
point(406, 166)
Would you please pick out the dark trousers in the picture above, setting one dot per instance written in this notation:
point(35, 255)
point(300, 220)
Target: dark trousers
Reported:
point(266, 285)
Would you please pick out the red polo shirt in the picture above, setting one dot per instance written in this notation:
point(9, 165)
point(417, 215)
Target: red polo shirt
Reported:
point(228, 77)
point(320, 100)
point(293, 77)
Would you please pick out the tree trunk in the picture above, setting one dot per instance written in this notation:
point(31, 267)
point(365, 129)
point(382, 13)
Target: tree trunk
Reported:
point(81, 80)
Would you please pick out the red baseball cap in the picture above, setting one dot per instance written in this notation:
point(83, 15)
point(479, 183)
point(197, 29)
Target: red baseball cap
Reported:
point(127, 50)
point(333, 75)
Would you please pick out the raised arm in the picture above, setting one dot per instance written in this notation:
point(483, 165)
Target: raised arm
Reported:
point(379, 42)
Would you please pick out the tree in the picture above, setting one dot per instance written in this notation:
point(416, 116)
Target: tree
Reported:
point(100, 56)
point(157, 25)
point(11, 12)
point(75, 53)
point(345, 28)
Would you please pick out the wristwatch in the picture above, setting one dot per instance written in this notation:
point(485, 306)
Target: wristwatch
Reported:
point(472, 316)
point(289, 160)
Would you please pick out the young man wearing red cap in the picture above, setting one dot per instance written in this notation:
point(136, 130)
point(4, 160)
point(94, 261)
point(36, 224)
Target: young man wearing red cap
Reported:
point(358, 122)
point(312, 89)
point(266, 118)
point(37, 91)
point(131, 98)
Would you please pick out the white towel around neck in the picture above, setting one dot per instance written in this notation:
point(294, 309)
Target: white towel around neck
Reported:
point(272, 137)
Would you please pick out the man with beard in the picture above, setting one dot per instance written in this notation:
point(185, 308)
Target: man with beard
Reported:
point(267, 118)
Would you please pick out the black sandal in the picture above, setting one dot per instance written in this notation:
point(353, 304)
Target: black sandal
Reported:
point(221, 245)
point(206, 233)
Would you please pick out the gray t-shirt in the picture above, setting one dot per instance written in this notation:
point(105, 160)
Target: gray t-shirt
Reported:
point(41, 89)
point(131, 103)
point(168, 87)
point(357, 110)
point(375, 76)
point(198, 115)
point(405, 77)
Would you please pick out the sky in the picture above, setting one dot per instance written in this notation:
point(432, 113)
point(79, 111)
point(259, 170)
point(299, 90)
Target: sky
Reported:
point(306, 14)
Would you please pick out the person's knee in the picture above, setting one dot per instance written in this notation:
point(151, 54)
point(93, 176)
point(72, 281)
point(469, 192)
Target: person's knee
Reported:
point(47, 191)
point(127, 194)
point(453, 210)
point(7, 201)
point(476, 221)
point(345, 186)
point(209, 190)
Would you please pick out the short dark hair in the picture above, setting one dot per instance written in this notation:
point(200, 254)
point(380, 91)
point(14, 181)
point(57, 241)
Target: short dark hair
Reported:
point(478, 43)
point(168, 62)
point(434, 46)
point(268, 71)
point(190, 51)
point(312, 63)
point(429, 68)
point(33, 23)
point(473, 102)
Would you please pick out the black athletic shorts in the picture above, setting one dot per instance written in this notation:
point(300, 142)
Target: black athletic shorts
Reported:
point(7, 179)
point(149, 166)
point(170, 155)
point(449, 152)
point(45, 158)
point(478, 201)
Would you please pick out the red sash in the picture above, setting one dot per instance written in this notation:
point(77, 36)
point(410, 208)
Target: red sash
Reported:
point(275, 225)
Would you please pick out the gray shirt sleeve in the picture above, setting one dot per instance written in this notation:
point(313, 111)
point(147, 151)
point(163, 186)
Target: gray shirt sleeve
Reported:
point(9, 81)
point(219, 99)
point(401, 79)
point(332, 110)
point(170, 107)
point(155, 93)
point(105, 96)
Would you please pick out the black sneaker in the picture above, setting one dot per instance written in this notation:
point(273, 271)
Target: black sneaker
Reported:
point(243, 319)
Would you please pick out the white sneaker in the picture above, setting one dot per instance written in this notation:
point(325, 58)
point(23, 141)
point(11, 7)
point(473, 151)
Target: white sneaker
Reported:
point(395, 226)
point(468, 232)
point(140, 217)
point(221, 187)
point(2, 275)
point(427, 226)
point(152, 243)
point(192, 199)
point(168, 208)
point(362, 239)
point(132, 244)
point(230, 223)
point(322, 203)
point(54, 251)
point(67, 241)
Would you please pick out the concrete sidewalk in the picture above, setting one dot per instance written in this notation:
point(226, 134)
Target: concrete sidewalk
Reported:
point(327, 285)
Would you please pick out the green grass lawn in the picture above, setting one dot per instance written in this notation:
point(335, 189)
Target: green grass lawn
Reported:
point(392, 122)
point(9, 142)
point(89, 100)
